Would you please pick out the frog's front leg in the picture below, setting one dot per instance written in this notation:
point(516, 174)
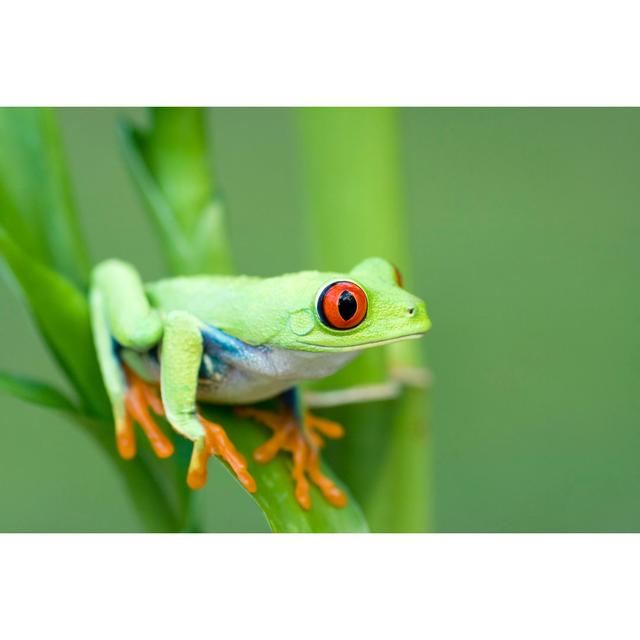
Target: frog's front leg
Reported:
point(182, 349)
point(120, 311)
point(302, 434)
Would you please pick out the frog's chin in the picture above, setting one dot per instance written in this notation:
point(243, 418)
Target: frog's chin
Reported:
point(358, 347)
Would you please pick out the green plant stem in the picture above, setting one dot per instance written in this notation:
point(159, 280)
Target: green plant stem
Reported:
point(169, 164)
point(353, 189)
point(176, 153)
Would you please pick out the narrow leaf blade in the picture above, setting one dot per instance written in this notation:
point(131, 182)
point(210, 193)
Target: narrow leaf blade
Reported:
point(34, 184)
point(34, 392)
point(62, 314)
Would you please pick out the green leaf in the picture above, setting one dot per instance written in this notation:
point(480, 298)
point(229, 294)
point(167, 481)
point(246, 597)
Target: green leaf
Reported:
point(62, 314)
point(168, 163)
point(36, 206)
point(35, 392)
point(275, 494)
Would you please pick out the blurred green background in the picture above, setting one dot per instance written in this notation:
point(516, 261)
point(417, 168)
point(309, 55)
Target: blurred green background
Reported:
point(524, 226)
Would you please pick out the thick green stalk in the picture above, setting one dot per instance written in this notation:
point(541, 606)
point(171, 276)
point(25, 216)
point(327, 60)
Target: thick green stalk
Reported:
point(354, 198)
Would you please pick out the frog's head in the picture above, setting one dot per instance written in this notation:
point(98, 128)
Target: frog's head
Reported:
point(364, 308)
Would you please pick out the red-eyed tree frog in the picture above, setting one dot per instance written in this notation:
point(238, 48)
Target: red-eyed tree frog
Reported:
point(238, 340)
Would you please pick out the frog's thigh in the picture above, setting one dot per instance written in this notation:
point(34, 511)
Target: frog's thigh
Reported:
point(180, 362)
point(132, 321)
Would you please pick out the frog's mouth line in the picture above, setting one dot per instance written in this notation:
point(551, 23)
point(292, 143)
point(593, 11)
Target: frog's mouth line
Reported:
point(365, 345)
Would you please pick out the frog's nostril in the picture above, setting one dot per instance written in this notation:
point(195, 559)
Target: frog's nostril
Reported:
point(412, 311)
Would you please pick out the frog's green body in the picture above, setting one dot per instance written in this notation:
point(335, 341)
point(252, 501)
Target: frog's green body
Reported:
point(280, 311)
point(238, 340)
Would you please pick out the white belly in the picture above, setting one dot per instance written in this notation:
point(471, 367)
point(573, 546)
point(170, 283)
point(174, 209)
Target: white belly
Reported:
point(268, 372)
point(259, 374)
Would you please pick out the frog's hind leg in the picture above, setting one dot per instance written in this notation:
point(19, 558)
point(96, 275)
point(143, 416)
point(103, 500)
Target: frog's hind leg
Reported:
point(121, 315)
point(302, 434)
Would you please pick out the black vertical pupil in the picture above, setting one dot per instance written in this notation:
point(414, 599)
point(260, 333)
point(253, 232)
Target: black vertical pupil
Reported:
point(347, 305)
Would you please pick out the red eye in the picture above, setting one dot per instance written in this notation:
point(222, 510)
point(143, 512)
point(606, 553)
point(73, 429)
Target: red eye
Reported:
point(342, 305)
point(398, 276)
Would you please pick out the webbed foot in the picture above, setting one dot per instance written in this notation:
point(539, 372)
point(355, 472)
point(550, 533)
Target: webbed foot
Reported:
point(141, 396)
point(216, 442)
point(304, 442)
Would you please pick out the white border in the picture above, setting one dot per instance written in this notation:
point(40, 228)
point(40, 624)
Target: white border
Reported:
point(344, 52)
point(332, 586)
point(294, 53)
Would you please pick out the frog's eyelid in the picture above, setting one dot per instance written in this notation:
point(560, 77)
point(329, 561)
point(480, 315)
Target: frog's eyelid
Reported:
point(397, 274)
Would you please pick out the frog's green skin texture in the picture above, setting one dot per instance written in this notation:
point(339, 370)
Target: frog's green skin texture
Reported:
point(236, 339)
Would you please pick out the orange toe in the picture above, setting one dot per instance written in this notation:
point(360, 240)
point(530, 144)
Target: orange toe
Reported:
point(303, 442)
point(125, 437)
point(217, 442)
point(139, 397)
point(332, 493)
point(197, 474)
point(326, 427)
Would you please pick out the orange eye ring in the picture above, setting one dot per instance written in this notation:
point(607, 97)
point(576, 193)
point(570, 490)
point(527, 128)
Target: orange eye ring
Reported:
point(342, 305)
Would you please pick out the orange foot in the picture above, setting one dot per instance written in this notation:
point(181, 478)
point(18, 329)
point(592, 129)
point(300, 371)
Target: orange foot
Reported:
point(304, 442)
point(216, 442)
point(139, 397)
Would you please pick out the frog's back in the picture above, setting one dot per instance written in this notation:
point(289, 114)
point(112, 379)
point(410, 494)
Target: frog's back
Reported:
point(212, 299)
